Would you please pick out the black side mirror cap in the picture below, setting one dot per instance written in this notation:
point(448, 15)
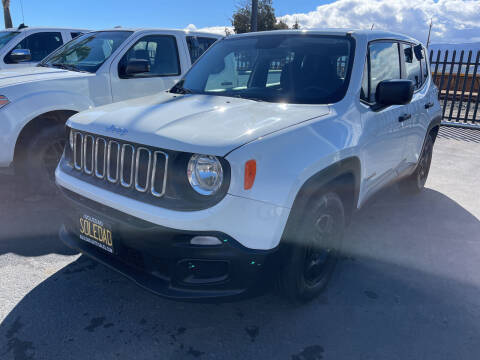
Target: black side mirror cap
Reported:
point(394, 92)
point(137, 66)
point(20, 55)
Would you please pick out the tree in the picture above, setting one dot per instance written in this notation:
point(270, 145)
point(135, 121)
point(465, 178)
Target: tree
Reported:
point(296, 26)
point(6, 14)
point(266, 18)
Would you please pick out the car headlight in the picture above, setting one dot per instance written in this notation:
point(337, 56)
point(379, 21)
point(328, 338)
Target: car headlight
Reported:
point(205, 174)
point(4, 101)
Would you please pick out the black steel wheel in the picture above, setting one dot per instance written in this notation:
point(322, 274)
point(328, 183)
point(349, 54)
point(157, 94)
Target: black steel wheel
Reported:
point(313, 254)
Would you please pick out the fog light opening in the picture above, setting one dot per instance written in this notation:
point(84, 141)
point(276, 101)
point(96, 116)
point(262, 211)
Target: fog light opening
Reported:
point(205, 241)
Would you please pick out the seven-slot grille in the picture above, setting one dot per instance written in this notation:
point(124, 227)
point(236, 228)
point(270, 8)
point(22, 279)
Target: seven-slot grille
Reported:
point(123, 164)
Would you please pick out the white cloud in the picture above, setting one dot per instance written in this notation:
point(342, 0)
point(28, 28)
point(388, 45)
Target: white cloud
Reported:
point(456, 21)
point(211, 29)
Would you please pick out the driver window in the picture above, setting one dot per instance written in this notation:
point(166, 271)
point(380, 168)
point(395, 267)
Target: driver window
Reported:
point(384, 64)
point(40, 45)
point(159, 51)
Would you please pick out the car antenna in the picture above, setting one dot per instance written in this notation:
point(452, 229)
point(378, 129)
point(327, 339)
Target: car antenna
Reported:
point(22, 26)
point(372, 26)
point(429, 32)
point(23, 17)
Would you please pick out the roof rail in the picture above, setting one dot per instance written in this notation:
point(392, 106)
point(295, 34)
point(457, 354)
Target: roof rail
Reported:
point(22, 26)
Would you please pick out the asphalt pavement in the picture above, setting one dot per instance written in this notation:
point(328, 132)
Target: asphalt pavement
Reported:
point(408, 286)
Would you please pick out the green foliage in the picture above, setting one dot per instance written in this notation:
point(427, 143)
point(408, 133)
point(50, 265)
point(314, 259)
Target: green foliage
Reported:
point(266, 19)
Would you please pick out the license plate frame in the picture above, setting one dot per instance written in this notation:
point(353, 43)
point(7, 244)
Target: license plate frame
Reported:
point(96, 232)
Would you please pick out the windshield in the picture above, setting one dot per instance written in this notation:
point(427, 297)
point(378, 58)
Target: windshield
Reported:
point(296, 68)
point(6, 36)
point(87, 52)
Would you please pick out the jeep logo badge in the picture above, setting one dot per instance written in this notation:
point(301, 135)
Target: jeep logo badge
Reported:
point(117, 130)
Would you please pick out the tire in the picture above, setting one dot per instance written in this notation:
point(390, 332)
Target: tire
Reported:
point(39, 158)
point(312, 258)
point(415, 183)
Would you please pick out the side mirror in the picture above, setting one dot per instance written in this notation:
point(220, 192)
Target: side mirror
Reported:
point(20, 55)
point(394, 92)
point(137, 66)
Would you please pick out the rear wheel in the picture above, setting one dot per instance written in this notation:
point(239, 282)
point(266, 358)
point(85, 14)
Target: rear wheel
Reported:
point(315, 250)
point(416, 182)
point(39, 158)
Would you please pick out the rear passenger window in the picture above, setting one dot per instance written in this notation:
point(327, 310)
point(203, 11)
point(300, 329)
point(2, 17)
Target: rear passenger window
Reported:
point(40, 45)
point(198, 45)
point(383, 64)
point(425, 69)
point(75, 34)
point(413, 67)
point(161, 53)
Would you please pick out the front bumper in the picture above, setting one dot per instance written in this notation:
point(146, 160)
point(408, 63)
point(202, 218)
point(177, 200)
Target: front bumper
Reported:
point(162, 260)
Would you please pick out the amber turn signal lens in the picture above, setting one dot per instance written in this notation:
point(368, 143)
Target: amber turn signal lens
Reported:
point(250, 172)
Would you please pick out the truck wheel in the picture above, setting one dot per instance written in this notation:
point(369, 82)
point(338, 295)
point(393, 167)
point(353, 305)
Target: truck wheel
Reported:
point(313, 255)
point(414, 183)
point(39, 158)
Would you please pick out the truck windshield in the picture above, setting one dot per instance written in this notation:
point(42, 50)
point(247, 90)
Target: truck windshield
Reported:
point(6, 36)
point(293, 68)
point(87, 52)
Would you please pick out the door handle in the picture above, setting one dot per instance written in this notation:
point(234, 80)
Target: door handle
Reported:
point(404, 117)
point(429, 105)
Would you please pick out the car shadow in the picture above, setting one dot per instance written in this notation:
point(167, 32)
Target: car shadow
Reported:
point(29, 223)
point(405, 288)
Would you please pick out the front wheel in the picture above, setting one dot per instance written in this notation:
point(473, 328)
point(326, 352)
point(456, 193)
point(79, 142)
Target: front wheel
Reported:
point(40, 157)
point(314, 252)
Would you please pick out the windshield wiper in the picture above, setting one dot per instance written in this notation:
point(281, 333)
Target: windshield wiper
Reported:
point(42, 65)
point(246, 97)
point(66, 67)
point(179, 89)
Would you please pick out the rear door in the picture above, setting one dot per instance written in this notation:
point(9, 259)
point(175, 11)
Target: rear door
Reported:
point(413, 129)
point(161, 51)
point(383, 144)
point(197, 45)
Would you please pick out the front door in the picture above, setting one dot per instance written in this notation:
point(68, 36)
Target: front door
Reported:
point(162, 54)
point(384, 146)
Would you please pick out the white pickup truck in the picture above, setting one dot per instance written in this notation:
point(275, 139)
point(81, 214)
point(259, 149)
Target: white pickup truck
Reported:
point(27, 46)
point(94, 69)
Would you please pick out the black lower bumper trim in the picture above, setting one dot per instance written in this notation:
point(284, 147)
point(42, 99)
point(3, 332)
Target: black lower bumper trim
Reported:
point(163, 261)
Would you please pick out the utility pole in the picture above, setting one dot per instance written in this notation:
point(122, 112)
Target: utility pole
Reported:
point(6, 14)
point(253, 25)
point(429, 32)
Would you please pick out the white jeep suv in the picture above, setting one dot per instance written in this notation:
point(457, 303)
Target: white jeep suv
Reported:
point(249, 168)
point(94, 69)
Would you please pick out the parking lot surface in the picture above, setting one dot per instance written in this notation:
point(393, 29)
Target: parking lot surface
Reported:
point(408, 286)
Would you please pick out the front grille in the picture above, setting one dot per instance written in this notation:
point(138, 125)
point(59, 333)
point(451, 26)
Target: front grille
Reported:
point(121, 164)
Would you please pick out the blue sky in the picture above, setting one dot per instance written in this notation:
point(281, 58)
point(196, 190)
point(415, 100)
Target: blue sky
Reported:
point(96, 14)
point(454, 21)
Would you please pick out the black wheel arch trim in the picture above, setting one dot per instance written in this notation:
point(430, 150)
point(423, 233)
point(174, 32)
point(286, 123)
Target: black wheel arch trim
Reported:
point(323, 179)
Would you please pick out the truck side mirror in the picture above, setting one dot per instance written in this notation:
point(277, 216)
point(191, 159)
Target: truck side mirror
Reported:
point(137, 66)
point(394, 92)
point(20, 55)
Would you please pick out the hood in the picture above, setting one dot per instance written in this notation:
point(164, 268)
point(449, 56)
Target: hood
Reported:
point(204, 124)
point(31, 74)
